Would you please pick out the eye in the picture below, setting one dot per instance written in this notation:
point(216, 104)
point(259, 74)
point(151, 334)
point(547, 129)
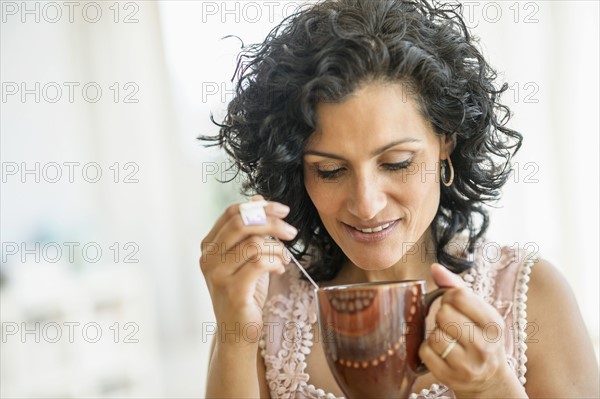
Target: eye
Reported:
point(398, 166)
point(330, 173)
point(328, 170)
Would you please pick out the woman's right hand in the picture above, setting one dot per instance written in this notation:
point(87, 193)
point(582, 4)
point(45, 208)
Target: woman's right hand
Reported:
point(236, 261)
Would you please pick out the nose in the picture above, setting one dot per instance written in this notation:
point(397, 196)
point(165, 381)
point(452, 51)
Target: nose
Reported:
point(367, 197)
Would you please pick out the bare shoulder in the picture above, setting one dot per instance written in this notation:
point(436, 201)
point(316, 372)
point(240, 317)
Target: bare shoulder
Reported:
point(551, 298)
point(546, 278)
point(561, 360)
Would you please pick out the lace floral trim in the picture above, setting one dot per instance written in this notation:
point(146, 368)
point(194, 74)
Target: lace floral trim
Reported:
point(434, 392)
point(286, 374)
point(481, 277)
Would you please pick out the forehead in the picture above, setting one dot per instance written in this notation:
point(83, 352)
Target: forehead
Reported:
point(373, 114)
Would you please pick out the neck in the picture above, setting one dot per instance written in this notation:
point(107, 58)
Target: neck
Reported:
point(415, 264)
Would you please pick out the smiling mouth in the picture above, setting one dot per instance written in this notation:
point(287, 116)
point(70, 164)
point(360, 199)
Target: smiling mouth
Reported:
point(376, 229)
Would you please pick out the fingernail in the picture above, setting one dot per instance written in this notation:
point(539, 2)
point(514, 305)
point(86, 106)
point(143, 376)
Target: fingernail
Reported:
point(281, 208)
point(291, 230)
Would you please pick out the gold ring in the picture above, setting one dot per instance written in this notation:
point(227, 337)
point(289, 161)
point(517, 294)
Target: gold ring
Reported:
point(448, 349)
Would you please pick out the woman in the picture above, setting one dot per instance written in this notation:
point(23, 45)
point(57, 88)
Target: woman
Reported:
point(375, 132)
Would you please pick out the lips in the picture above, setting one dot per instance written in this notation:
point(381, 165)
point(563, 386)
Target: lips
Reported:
point(372, 233)
point(374, 229)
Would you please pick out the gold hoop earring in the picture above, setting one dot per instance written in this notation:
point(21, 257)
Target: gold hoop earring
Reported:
point(443, 173)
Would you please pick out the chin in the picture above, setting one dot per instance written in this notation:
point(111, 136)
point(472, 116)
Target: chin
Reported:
point(373, 263)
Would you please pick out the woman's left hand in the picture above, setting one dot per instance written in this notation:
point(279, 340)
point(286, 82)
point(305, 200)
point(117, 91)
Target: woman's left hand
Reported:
point(466, 350)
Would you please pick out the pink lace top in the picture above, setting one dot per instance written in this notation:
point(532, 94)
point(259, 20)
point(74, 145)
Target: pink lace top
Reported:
point(500, 275)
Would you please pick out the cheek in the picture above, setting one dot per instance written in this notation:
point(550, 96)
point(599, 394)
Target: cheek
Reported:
point(422, 189)
point(324, 196)
point(315, 191)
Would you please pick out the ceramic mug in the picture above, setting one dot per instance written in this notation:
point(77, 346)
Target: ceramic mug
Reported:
point(371, 335)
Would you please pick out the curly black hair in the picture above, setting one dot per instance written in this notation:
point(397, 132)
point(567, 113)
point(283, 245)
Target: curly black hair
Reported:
point(324, 52)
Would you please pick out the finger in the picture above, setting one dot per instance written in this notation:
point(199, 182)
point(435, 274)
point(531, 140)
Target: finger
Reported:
point(250, 272)
point(439, 339)
point(272, 208)
point(252, 253)
point(473, 307)
point(260, 251)
point(445, 278)
point(454, 325)
point(234, 231)
point(438, 367)
point(214, 253)
point(447, 350)
point(231, 211)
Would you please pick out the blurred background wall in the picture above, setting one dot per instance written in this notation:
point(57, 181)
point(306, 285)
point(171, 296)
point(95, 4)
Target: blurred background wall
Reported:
point(106, 194)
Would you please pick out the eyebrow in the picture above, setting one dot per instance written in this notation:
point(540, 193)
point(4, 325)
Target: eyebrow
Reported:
point(373, 154)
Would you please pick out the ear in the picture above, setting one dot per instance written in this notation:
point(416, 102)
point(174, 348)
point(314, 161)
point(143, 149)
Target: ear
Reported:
point(447, 145)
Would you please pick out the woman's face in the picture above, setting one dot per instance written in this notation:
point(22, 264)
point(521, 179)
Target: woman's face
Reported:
point(371, 168)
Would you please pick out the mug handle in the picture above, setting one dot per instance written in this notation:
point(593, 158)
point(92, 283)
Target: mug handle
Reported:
point(427, 301)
